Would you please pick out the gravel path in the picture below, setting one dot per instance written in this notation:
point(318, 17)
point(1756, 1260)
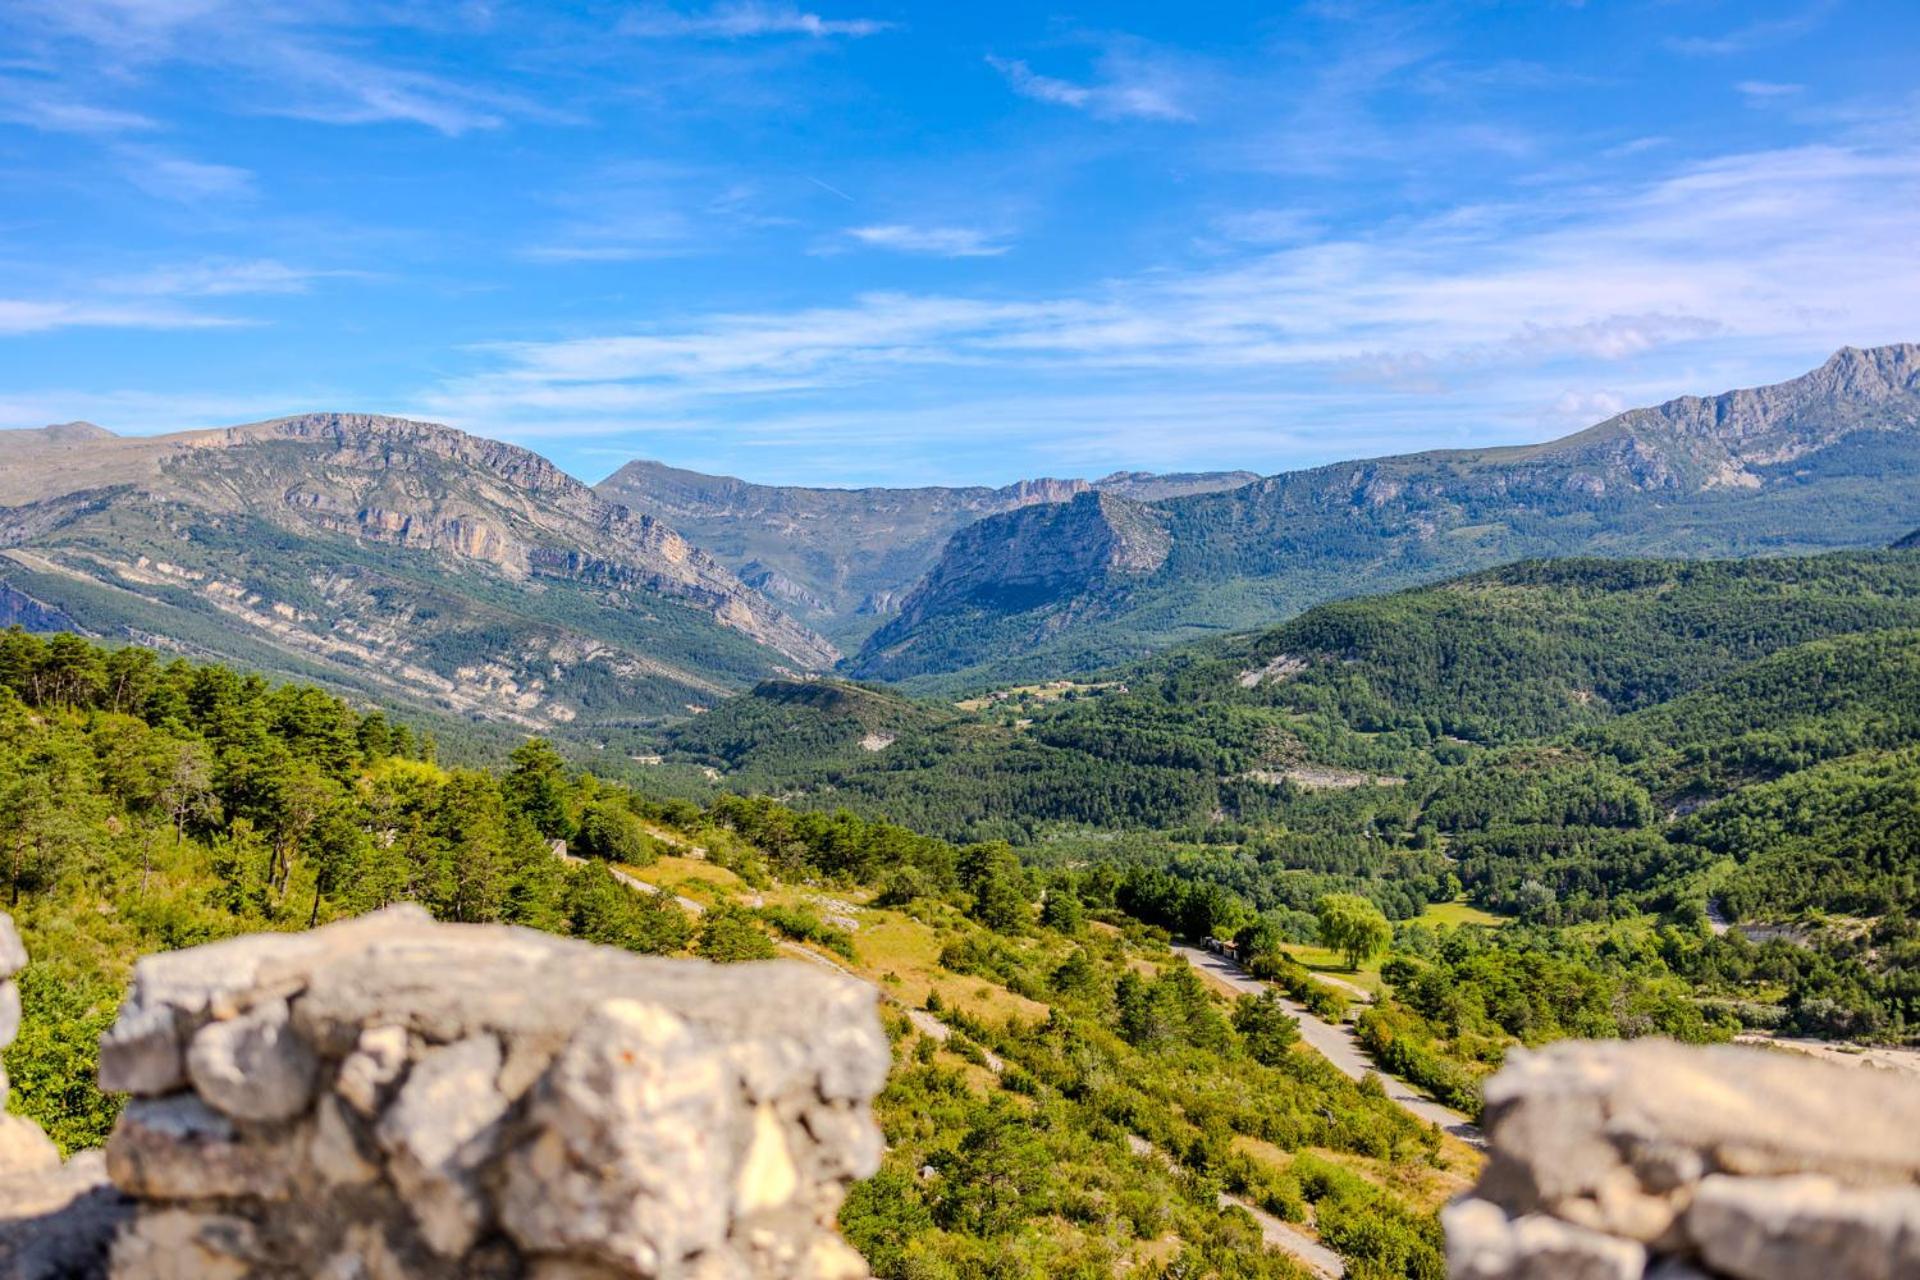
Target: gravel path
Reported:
point(1336, 1043)
point(1276, 1232)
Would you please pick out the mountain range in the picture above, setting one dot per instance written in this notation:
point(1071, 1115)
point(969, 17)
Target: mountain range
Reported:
point(414, 563)
point(1827, 460)
point(398, 559)
point(842, 559)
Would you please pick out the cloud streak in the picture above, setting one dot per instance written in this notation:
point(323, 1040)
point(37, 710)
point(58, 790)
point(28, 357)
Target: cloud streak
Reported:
point(745, 21)
point(1768, 251)
point(941, 242)
point(1132, 89)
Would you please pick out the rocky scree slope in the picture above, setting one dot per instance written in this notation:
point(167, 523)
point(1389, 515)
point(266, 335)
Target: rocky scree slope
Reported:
point(1827, 460)
point(844, 559)
point(390, 556)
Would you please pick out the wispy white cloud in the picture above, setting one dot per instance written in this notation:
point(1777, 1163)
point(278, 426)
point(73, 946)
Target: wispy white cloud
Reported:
point(177, 178)
point(280, 58)
point(51, 109)
point(746, 20)
point(1760, 92)
point(1131, 87)
point(25, 315)
point(215, 278)
point(1754, 35)
point(943, 242)
point(163, 297)
point(1781, 250)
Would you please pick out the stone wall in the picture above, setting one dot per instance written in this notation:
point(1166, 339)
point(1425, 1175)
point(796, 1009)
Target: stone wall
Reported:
point(390, 1097)
point(1612, 1160)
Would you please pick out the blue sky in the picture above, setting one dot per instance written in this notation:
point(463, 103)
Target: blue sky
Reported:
point(883, 242)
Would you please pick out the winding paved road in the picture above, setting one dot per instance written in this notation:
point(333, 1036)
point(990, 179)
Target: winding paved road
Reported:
point(1336, 1043)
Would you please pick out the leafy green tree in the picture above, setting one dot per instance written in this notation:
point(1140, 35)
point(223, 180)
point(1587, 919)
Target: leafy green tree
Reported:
point(730, 935)
point(472, 825)
point(1062, 911)
point(997, 1175)
point(601, 909)
point(992, 874)
point(610, 831)
point(1353, 926)
point(536, 786)
point(1267, 1029)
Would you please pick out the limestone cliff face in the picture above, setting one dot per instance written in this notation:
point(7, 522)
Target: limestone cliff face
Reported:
point(1037, 560)
point(429, 487)
point(1826, 460)
point(1724, 441)
point(397, 558)
point(842, 557)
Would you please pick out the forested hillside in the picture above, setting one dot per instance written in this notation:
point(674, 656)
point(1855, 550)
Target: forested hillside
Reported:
point(1606, 751)
point(1069, 1098)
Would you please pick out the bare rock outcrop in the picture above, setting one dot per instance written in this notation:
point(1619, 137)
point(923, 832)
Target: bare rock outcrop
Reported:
point(56, 1220)
point(1618, 1159)
point(392, 1098)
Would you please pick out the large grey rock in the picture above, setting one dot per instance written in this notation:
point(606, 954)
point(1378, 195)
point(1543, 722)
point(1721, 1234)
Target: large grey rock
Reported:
point(13, 952)
point(638, 1140)
point(439, 1132)
point(9, 1013)
point(1484, 1244)
point(179, 1148)
point(24, 1149)
point(1789, 1228)
point(253, 1067)
point(392, 1099)
point(1613, 1135)
point(142, 1053)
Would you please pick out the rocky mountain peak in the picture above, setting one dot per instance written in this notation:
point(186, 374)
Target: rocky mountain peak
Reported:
point(76, 432)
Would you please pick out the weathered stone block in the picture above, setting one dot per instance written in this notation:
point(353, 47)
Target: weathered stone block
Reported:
point(13, 952)
point(1484, 1244)
point(1789, 1228)
point(253, 1067)
point(24, 1149)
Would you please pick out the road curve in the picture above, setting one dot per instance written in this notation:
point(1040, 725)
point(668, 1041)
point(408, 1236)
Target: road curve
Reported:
point(1336, 1043)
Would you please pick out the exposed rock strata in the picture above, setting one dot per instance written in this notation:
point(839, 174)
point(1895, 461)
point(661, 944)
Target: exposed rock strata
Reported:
point(1616, 1159)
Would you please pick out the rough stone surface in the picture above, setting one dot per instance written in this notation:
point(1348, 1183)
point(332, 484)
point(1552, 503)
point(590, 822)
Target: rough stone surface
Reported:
point(253, 1067)
point(1712, 1161)
point(392, 1099)
point(13, 952)
point(24, 1149)
point(9, 1013)
point(1784, 1228)
point(1484, 1244)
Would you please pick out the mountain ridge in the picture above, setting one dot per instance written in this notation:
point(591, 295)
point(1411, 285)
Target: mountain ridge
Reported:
point(1822, 461)
point(846, 558)
point(406, 557)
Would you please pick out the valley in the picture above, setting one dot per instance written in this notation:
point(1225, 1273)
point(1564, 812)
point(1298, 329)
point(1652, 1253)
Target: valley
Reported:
point(270, 676)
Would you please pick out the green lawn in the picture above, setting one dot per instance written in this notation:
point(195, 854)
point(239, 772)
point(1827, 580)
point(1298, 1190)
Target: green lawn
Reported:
point(1457, 912)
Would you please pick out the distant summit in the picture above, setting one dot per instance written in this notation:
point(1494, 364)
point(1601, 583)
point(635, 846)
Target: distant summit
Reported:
point(1827, 460)
point(845, 559)
point(393, 557)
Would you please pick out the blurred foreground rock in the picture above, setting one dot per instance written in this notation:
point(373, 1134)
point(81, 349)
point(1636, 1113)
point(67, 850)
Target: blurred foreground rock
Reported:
point(56, 1220)
point(390, 1097)
point(1610, 1160)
